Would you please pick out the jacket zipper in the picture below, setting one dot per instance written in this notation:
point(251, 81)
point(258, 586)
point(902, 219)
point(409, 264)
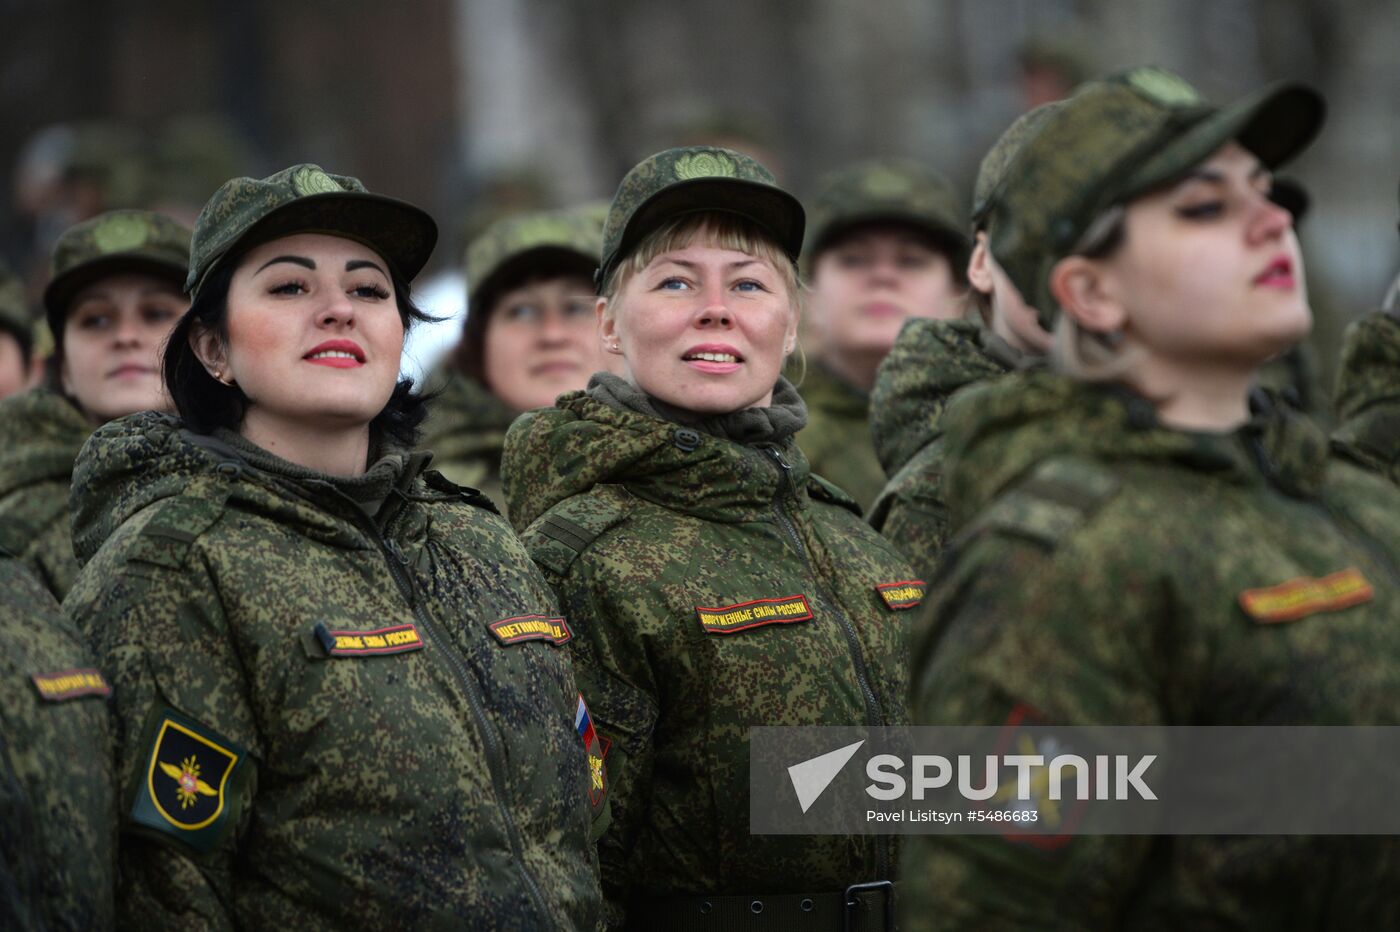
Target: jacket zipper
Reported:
point(873, 714)
point(396, 560)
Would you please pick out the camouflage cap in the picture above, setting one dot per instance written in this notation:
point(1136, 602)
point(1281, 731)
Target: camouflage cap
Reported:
point(692, 179)
point(108, 244)
point(14, 312)
point(305, 199)
point(512, 244)
point(992, 172)
point(885, 190)
point(1118, 138)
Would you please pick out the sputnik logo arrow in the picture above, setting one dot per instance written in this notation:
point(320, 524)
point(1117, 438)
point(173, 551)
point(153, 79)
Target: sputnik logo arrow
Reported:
point(811, 777)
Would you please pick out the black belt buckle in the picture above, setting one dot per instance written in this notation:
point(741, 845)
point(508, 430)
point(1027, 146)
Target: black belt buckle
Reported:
point(851, 903)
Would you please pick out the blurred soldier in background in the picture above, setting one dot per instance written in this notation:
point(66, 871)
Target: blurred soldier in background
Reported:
point(58, 824)
point(16, 335)
point(887, 241)
point(932, 359)
point(115, 295)
point(1368, 389)
point(530, 336)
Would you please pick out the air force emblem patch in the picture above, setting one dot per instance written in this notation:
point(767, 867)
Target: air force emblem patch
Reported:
point(186, 782)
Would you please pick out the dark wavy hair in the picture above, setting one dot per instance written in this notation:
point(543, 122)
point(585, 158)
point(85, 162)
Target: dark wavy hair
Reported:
point(206, 404)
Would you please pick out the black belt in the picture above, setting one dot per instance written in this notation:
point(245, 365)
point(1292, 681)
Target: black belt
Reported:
point(861, 907)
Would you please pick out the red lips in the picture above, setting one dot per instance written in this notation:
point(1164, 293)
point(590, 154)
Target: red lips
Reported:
point(1277, 274)
point(336, 357)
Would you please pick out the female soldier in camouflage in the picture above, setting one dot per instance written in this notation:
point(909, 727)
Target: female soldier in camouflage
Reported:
point(113, 299)
point(530, 336)
point(887, 244)
point(934, 358)
point(58, 826)
point(713, 582)
point(1135, 546)
point(340, 697)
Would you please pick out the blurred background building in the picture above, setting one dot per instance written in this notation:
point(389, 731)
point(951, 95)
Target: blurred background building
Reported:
point(477, 107)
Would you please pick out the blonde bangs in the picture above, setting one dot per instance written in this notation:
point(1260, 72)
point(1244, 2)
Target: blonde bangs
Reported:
point(719, 229)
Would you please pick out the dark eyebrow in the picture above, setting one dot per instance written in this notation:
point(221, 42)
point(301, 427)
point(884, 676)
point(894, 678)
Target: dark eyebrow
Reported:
point(295, 260)
point(354, 264)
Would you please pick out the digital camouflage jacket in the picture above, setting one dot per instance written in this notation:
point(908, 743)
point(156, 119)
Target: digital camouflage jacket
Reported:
point(326, 719)
point(836, 440)
point(58, 826)
point(465, 432)
point(713, 586)
point(1368, 395)
point(1109, 570)
point(41, 433)
point(930, 361)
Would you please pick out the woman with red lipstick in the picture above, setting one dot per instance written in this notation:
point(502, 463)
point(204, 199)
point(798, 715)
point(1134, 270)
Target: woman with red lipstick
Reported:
point(1141, 540)
point(340, 693)
point(530, 336)
point(713, 581)
point(113, 299)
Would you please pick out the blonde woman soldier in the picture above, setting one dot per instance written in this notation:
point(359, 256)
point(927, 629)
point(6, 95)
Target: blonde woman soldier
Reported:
point(712, 581)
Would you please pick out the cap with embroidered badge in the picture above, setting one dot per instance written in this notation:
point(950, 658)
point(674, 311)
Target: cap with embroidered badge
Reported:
point(306, 199)
point(690, 180)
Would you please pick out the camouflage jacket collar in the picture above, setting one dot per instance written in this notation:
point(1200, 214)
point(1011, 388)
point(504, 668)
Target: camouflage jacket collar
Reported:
point(780, 420)
point(41, 433)
point(930, 361)
point(466, 420)
point(999, 430)
point(555, 453)
point(144, 458)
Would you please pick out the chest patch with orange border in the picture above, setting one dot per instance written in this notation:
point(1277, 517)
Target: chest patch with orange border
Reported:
point(902, 595)
point(742, 616)
point(1299, 598)
point(531, 628)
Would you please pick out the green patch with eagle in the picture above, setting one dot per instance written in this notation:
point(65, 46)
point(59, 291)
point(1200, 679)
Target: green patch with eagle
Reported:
point(187, 781)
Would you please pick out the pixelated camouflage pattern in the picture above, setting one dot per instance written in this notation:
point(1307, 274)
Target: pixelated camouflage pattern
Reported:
point(41, 433)
point(930, 361)
point(302, 198)
point(58, 824)
point(466, 432)
point(119, 240)
point(1113, 140)
point(14, 310)
point(663, 520)
point(575, 229)
point(885, 189)
point(991, 173)
point(693, 178)
point(836, 440)
point(1368, 394)
point(1095, 580)
point(383, 791)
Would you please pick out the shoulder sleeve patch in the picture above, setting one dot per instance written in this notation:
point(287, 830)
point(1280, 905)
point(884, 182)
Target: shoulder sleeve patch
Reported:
point(558, 537)
point(1057, 497)
point(190, 784)
point(176, 525)
point(824, 491)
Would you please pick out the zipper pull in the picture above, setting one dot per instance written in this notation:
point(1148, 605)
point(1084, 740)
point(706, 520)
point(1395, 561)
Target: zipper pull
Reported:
point(396, 550)
point(783, 465)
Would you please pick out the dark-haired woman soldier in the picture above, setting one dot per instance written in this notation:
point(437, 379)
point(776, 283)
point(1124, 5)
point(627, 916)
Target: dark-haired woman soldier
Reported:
point(340, 696)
